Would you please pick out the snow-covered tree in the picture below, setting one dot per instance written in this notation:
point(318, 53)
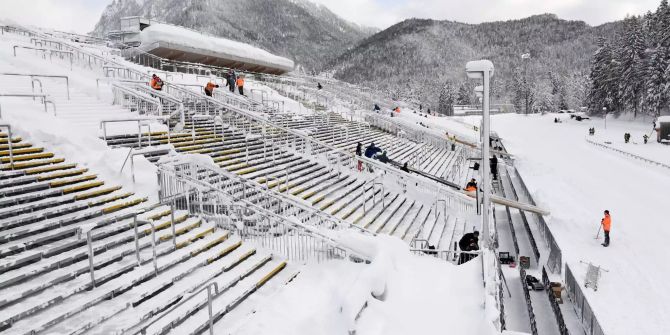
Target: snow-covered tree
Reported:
point(446, 100)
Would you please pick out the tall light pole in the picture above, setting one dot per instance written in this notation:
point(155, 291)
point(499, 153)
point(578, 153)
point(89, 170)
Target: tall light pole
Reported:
point(525, 58)
point(483, 69)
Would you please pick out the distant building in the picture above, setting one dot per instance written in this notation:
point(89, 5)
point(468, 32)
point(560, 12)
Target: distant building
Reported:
point(663, 129)
point(185, 45)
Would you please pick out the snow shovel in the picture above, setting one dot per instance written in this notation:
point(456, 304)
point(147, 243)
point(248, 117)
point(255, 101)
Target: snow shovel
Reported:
point(599, 228)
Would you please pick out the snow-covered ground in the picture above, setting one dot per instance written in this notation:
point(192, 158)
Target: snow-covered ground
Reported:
point(577, 181)
point(415, 295)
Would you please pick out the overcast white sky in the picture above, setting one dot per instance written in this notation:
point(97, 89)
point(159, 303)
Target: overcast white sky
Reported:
point(81, 15)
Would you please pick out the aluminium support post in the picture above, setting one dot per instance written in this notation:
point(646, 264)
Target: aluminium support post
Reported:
point(486, 130)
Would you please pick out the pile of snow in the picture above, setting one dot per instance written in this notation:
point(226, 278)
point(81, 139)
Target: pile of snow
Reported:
point(405, 294)
point(158, 32)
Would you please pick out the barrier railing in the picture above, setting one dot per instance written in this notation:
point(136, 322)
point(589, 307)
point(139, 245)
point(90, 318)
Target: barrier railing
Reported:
point(241, 189)
point(308, 146)
point(581, 305)
point(625, 153)
point(33, 76)
point(555, 259)
point(558, 315)
point(45, 101)
point(529, 305)
point(529, 233)
point(264, 217)
point(136, 101)
point(45, 50)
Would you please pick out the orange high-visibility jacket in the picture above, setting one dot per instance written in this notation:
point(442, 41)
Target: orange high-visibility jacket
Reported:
point(240, 81)
point(210, 86)
point(155, 84)
point(607, 222)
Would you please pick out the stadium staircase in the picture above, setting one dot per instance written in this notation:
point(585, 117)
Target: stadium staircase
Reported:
point(310, 181)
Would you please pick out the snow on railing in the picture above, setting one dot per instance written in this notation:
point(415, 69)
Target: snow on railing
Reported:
point(581, 305)
point(646, 160)
point(555, 260)
point(558, 315)
point(263, 216)
point(136, 101)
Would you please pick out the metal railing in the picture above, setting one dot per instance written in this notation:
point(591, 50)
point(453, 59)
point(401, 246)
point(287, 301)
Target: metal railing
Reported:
point(581, 305)
point(210, 298)
point(529, 232)
point(45, 101)
point(529, 305)
point(625, 153)
point(267, 218)
point(103, 126)
point(136, 101)
point(558, 315)
point(34, 76)
point(555, 260)
point(310, 147)
point(45, 50)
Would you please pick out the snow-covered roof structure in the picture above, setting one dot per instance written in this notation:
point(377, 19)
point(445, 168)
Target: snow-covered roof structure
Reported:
point(182, 44)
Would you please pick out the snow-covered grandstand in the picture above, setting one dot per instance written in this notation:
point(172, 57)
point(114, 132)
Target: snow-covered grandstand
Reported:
point(128, 210)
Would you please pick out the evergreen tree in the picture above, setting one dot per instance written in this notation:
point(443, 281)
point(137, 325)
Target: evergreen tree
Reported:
point(446, 100)
point(524, 95)
point(464, 94)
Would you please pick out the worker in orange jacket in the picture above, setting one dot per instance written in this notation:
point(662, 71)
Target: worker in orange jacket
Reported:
point(471, 186)
point(606, 222)
point(209, 88)
point(240, 84)
point(156, 83)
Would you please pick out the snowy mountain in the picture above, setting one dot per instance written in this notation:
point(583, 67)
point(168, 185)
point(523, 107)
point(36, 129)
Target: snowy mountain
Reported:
point(415, 58)
point(308, 33)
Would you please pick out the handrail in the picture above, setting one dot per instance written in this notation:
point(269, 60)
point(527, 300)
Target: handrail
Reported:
point(209, 287)
point(343, 153)
point(33, 75)
point(51, 52)
point(248, 184)
point(26, 95)
point(175, 176)
point(103, 125)
point(143, 97)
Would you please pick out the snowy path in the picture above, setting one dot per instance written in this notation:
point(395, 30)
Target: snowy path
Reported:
point(577, 181)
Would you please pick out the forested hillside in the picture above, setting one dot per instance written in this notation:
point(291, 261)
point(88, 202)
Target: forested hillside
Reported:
point(309, 34)
point(420, 59)
point(630, 71)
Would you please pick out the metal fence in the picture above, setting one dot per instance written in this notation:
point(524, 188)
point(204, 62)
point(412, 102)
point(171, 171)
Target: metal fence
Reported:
point(555, 259)
point(529, 305)
point(562, 328)
point(581, 305)
point(256, 214)
point(625, 153)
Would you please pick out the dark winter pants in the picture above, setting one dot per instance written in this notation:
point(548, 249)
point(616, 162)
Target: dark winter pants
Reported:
point(208, 93)
point(231, 86)
point(607, 238)
point(241, 89)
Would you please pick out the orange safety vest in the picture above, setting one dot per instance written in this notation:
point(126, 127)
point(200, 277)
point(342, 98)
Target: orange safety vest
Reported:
point(240, 81)
point(607, 222)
